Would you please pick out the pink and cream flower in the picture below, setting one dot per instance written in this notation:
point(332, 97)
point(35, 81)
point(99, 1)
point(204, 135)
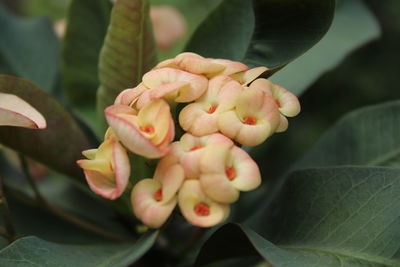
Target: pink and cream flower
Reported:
point(288, 104)
point(201, 117)
point(153, 200)
point(198, 208)
point(224, 172)
point(106, 168)
point(16, 112)
point(147, 133)
point(197, 64)
point(255, 118)
point(190, 148)
point(174, 85)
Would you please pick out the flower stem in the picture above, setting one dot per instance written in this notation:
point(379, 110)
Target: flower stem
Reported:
point(75, 220)
point(9, 231)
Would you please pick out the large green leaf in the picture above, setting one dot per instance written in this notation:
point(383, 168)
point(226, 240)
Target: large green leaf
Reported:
point(59, 145)
point(128, 51)
point(266, 32)
point(368, 136)
point(29, 49)
point(344, 216)
point(352, 26)
point(86, 29)
point(32, 251)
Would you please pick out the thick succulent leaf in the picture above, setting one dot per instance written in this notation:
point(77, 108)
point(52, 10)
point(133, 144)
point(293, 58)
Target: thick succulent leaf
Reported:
point(352, 26)
point(32, 251)
point(343, 216)
point(266, 32)
point(235, 40)
point(86, 29)
point(36, 60)
point(368, 136)
point(59, 145)
point(128, 51)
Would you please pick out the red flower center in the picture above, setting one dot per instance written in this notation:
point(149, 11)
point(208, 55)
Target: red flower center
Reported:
point(212, 109)
point(202, 209)
point(230, 173)
point(195, 148)
point(158, 195)
point(250, 121)
point(147, 129)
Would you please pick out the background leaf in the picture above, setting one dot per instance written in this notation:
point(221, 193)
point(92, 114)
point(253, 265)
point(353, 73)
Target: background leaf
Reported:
point(346, 216)
point(84, 36)
point(30, 251)
point(29, 49)
point(273, 40)
point(368, 136)
point(128, 51)
point(353, 25)
point(59, 145)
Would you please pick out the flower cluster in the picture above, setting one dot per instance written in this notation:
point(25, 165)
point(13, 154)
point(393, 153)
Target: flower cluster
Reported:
point(220, 104)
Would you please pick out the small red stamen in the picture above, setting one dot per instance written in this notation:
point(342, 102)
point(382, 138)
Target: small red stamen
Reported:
point(230, 173)
point(111, 167)
point(147, 129)
point(278, 103)
point(212, 109)
point(241, 82)
point(195, 148)
point(202, 209)
point(250, 121)
point(158, 195)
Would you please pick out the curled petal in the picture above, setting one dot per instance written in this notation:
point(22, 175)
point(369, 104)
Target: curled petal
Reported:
point(248, 175)
point(197, 83)
point(256, 118)
point(146, 207)
point(168, 91)
point(196, 119)
point(190, 148)
point(201, 118)
point(225, 172)
point(197, 208)
point(16, 112)
point(283, 124)
point(197, 64)
point(107, 170)
point(127, 129)
point(171, 179)
point(287, 102)
point(128, 97)
point(231, 67)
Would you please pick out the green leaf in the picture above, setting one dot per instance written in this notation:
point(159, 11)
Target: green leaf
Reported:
point(128, 51)
point(352, 26)
point(59, 145)
point(29, 49)
point(345, 216)
point(32, 251)
point(368, 136)
point(84, 36)
point(266, 32)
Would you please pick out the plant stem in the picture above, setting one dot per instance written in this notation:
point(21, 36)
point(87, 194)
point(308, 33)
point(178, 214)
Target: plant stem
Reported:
point(29, 178)
point(5, 212)
point(75, 220)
